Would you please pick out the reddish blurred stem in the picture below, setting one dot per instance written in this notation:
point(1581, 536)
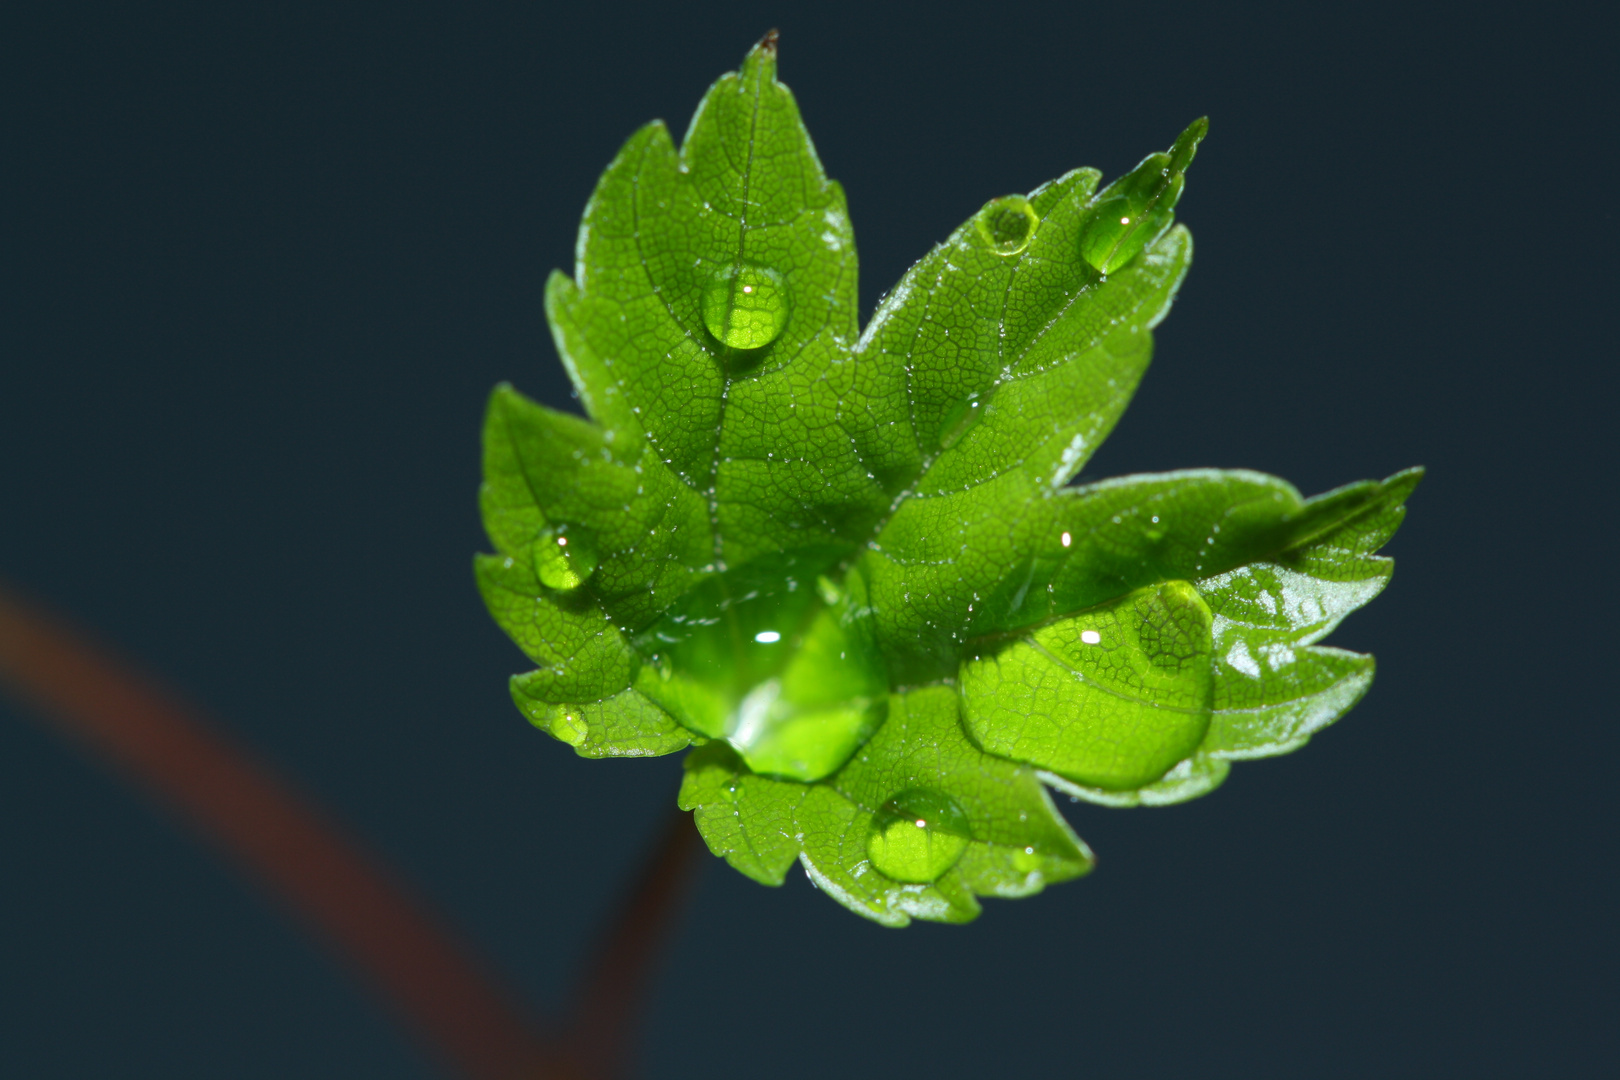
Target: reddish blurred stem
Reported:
point(449, 1002)
point(609, 1000)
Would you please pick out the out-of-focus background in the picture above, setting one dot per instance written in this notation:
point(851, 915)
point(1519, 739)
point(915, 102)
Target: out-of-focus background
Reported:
point(262, 266)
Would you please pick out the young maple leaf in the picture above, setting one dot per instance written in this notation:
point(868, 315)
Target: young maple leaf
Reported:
point(847, 567)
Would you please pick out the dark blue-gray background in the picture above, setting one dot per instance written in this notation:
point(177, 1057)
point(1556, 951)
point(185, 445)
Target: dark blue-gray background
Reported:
point(261, 269)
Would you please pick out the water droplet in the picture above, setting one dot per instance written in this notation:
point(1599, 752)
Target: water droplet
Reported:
point(1067, 539)
point(746, 307)
point(564, 556)
point(917, 835)
point(567, 725)
point(1138, 702)
point(787, 675)
point(1007, 225)
point(959, 418)
point(1136, 209)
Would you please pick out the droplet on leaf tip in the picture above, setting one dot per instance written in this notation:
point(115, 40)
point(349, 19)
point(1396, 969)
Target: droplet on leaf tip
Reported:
point(567, 726)
point(1136, 209)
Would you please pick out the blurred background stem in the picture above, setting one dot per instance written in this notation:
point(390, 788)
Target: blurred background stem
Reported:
point(452, 1004)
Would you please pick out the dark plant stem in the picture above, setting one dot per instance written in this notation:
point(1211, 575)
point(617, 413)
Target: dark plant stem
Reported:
point(449, 1002)
point(607, 1006)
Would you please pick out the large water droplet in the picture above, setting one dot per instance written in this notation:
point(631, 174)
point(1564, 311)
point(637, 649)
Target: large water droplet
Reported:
point(746, 307)
point(1007, 225)
point(1118, 693)
point(917, 836)
point(958, 419)
point(1136, 209)
point(790, 676)
point(564, 557)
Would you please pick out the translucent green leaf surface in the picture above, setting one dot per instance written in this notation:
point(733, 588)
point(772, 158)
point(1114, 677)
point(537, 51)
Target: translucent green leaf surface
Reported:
point(849, 565)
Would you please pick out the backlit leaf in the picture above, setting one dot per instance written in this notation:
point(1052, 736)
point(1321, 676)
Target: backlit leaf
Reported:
point(849, 565)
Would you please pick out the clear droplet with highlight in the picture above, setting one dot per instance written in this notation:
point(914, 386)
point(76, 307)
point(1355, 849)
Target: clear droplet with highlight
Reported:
point(1007, 225)
point(564, 557)
point(565, 724)
point(959, 419)
point(1136, 209)
point(917, 836)
point(784, 670)
point(746, 307)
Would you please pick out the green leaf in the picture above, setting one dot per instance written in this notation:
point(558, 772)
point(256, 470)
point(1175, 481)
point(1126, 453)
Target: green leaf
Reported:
point(625, 724)
point(848, 565)
point(915, 825)
point(1274, 688)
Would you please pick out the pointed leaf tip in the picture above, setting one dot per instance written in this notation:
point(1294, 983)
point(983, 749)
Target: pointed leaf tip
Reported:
point(1186, 144)
point(762, 56)
point(1137, 209)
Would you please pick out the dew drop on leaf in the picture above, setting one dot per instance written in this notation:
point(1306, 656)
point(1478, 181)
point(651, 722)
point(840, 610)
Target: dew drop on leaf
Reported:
point(564, 557)
point(1111, 697)
point(917, 836)
point(567, 725)
point(1136, 209)
point(746, 307)
point(1007, 225)
point(787, 675)
point(958, 419)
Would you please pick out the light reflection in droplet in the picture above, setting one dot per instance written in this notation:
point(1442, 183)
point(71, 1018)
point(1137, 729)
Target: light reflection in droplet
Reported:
point(767, 637)
point(1090, 637)
point(1067, 539)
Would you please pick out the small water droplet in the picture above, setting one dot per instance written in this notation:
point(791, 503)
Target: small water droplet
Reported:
point(564, 556)
point(1007, 225)
point(746, 307)
point(917, 835)
point(1136, 209)
point(959, 418)
point(567, 725)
